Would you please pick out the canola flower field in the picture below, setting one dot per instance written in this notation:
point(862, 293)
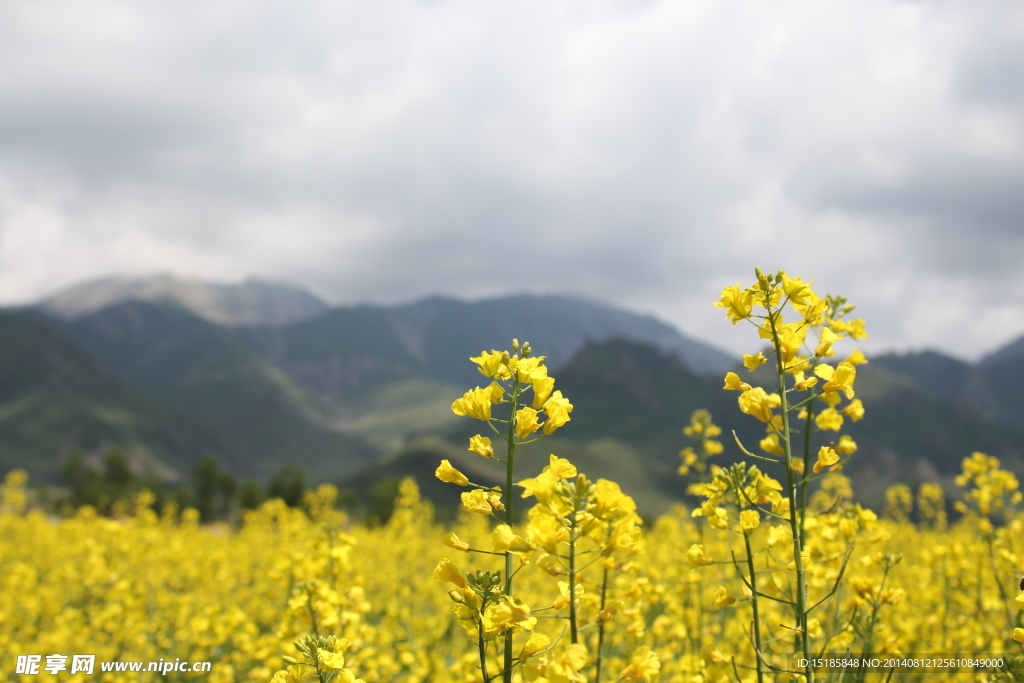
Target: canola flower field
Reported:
point(553, 578)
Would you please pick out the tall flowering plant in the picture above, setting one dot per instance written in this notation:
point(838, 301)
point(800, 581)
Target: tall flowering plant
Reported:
point(576, 523)
point(809, 393)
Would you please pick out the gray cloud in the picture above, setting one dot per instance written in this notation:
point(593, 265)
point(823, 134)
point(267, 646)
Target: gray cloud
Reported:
point(644, 153)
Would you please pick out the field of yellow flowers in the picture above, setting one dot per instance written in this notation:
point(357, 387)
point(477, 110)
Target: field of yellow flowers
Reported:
point(553, 577)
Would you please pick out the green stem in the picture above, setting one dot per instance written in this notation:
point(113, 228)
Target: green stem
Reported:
point(754, 604)
point(700, 596)
point(483, 652)
point(573, 632)
point(312, 612)
point(795, 524)
point(807, 463)
point(506, 674)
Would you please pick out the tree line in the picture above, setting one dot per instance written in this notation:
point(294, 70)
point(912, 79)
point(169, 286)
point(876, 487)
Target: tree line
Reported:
point(215, 492)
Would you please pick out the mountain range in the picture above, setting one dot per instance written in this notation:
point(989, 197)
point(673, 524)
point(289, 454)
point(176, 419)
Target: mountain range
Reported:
point(252, 302)
point(265, 374)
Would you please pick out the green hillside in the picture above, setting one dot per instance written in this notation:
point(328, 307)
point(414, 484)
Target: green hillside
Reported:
point(210, 373)
point(631, 402)
point(354, 394)
point(54, 397)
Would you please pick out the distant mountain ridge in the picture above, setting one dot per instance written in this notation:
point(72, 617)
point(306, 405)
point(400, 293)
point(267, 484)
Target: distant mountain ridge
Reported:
point(328, 388)
point(560, 324)
point(349, 392)
point(991, 386)
point(253, 302)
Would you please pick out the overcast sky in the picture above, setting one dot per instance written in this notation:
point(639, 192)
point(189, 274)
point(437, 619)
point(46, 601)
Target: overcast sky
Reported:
point(643, 153)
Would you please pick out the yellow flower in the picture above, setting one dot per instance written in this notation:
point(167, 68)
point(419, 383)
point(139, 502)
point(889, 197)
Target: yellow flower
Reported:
point(855, 410)
point(793, 366)
point(751, 362)
point(758, 403)
point(557, 409)
point(778, 534)
point(825, 342)
point(566, 668)
point(800, 383)
point(796, 289)
point(610, 500)
point(510, 612)
point(482, 445)
point(293, 674)
point(542, 391)
point(476, 403)
point(643, 666)
point(842, 379)
point(446, 571)
point(493, 364)
point(689, 457)
point(814, 629)
point(445, 472)
point(829, 419)
point(476, 501)
point(831, 400)
point(791, 338)
point(738, 303)
point(696, 556)
point(719, 518)
point(537, 643)
point(734, 383)
point(505, 540)
point(540, 486)
point(854, 327)
point(826, 457)
point(331, 660)
point(813, 309)
point(526, 422)
point(530, 370)
point(546, 531)
point(626, 535)
point(856, 358)
point(560, 467)
point(1018, 635)
point(749, 520)
point(452, 541)
point(846, 445)
point(722, 598)
point(770, 444)
point(765, 485)
point(563, 600)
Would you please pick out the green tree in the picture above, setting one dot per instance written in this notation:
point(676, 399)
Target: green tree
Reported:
point(288, 484)
point(214, 489)
point(251, 495)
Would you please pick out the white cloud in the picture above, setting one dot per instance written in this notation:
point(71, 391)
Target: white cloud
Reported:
point(646, 153)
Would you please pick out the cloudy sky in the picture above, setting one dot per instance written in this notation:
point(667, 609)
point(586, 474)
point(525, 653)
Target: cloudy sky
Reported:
point(644, 153)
